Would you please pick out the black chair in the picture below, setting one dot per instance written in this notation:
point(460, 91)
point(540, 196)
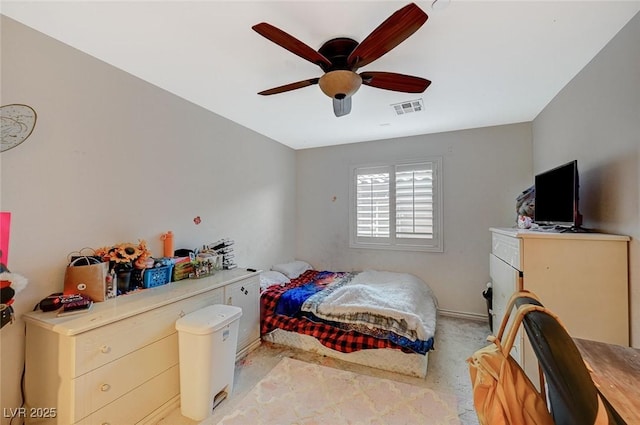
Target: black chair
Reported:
point(572, 396)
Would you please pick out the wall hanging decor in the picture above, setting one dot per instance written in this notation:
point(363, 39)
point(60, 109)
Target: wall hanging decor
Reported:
point(18, 122)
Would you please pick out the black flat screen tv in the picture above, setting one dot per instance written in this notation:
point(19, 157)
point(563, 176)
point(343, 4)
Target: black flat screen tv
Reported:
point(556, 198)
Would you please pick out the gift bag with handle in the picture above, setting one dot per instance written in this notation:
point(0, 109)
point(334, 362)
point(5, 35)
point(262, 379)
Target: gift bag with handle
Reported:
point(86, 274)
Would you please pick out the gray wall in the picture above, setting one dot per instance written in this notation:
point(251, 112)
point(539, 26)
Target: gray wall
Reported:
point(596, 120)
point(484, 171)
point(115, 159)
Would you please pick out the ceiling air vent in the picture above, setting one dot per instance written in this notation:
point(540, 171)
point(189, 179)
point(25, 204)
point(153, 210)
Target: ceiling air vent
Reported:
point(408, 107)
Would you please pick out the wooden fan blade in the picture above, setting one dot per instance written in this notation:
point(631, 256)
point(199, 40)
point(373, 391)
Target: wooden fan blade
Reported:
point(395, 82)
point(397, 28)
point(342, 107)
point(289, 87)
point(292, 44)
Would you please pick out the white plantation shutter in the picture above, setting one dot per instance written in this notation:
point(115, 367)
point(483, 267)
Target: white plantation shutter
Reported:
point(414, 201)
point(397, 206)
point(372, 202)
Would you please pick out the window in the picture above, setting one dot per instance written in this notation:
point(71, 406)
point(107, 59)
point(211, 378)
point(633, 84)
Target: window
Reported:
point(397, 206)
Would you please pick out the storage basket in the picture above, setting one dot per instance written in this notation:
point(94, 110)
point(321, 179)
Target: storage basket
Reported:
point(156, 276)
point(182, 270)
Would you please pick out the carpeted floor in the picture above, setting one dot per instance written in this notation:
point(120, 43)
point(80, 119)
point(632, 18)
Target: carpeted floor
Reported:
point(447, 373)
point(296, 392)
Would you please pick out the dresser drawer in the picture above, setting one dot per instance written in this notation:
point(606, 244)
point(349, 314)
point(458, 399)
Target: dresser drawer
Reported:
point(508, 249)
point(111, 381)
point(137, 404)
point(103, 345)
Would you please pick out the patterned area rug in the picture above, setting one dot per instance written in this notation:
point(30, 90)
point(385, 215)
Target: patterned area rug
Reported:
point(301, 393)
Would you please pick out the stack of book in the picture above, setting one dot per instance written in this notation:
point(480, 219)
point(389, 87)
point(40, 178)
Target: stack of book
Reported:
point(224, 247)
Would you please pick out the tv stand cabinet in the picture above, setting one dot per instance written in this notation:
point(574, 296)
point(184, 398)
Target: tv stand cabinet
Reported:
point(582, 277)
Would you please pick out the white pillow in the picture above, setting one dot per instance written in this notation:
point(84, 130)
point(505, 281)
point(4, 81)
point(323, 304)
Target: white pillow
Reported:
point(292, 269)
point(270, 278)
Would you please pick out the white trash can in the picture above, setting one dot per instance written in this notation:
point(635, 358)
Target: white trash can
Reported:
point(207, 340)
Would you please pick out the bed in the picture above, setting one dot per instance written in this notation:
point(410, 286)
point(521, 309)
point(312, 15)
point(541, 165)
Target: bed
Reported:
point(375, 318)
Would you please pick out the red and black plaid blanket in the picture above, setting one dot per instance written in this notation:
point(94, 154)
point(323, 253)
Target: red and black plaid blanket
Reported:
point(330, 336)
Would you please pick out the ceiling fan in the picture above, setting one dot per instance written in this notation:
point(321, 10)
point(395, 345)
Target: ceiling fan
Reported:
point(341, 57)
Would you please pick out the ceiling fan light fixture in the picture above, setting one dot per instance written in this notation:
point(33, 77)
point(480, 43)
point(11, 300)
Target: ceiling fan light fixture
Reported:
point(340, 83)
point(340, 58)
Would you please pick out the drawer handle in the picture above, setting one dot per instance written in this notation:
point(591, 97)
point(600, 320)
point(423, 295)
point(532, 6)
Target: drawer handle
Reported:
point(105, 387)
point(106, 423)
point(105, 349)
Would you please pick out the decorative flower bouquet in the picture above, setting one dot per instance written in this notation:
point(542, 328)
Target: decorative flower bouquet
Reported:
point(126, 256)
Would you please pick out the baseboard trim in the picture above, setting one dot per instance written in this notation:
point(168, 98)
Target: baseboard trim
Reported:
point(464, 315)
point(249, 348)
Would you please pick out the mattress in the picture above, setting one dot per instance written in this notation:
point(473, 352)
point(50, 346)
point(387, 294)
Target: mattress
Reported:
point(298, 315)
point(389, 359)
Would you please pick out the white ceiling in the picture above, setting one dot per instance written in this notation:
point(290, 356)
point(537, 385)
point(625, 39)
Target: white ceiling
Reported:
point(490, 63)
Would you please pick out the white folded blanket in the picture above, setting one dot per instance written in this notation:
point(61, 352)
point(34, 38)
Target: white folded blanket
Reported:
point(398, 302)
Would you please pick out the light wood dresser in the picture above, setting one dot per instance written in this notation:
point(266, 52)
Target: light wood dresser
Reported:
point(581, 277)
point(118, 363)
